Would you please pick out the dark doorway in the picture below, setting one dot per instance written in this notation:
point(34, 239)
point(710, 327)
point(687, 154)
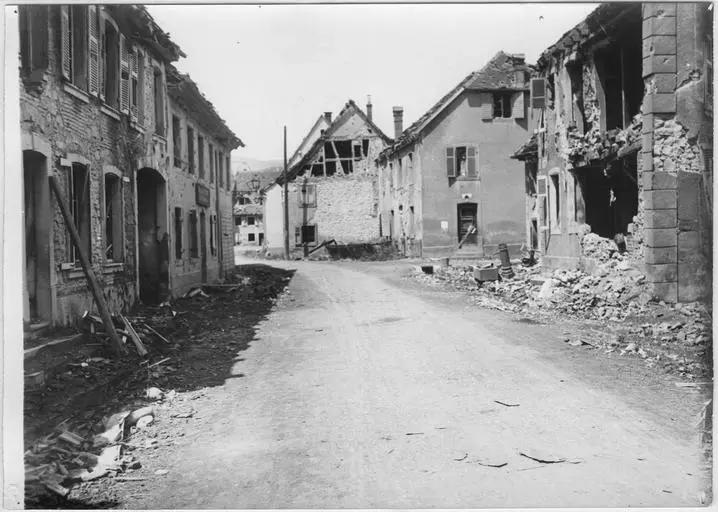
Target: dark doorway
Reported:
point(261, 238)
point(203, 246)
point(467, 219)
point(152, 231)
point(38, 304)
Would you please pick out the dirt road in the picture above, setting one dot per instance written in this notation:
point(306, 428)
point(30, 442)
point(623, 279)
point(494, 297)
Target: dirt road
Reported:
point(360, 392)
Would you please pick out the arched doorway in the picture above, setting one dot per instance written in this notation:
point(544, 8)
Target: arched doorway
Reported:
point(153, 243)
point(37, 295)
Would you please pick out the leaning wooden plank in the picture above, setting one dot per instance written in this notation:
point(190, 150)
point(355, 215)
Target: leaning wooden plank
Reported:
point(85, 262)
point(157, 334)
point(141, 350)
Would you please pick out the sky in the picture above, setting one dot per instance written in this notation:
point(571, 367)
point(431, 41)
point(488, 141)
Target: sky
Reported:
point(267, 66)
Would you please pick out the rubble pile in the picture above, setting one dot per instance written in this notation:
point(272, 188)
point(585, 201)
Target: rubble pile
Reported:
point(594, 145)
point(614, 298)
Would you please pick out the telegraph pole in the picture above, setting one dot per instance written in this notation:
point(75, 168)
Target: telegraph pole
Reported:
point(286, 200)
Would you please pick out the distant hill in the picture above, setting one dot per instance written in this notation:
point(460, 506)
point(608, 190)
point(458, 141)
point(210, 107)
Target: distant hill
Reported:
point(244, 164)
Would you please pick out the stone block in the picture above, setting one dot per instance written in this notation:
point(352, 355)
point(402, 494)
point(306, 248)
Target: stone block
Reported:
point(664, 83)
point(653, 64)
point(659, 103)
point(659, 45)
point(660, 237)
point(647, 125)
point(659, 26)
point(659, 180)
point(689, 193)
point(661, 273)
point(647, 143)
point(659, 199)
point(658, 10)
point(689, 246)
point(658, 219)
point(667, 292)
point(693, 281)
point(647, 160)
point(660, 255)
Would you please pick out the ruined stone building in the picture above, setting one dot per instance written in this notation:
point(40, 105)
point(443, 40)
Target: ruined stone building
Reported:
point(96, 115)
point(447, 185)
point(249, 224)
point(332, 184)
point(621, 108)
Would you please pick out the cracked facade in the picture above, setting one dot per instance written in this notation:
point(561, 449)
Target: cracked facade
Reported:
point(332, 185)
point(98, 96)
point(622, 144)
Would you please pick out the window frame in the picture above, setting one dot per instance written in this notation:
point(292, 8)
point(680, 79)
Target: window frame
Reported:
point(308, 195)
point(505, 101)
point(117, 221)
point(178, 231)
point(193, 233)
point(71, 254)
point(452, 163)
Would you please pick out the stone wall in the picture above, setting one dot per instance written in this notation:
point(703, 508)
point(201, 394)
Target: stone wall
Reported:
point(674, 178)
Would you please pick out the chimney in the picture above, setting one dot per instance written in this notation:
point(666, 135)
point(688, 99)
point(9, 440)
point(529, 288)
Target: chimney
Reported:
point(398, 121)
point(328, 116)
point(369, 107)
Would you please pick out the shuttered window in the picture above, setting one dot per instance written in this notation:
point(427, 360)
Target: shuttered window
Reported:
point(450, 164)
point(74, 21)
point(135, 84)
point(462, 161)
point(124, 75)
point(538, 93)
point(93, 50)
point(111, 65)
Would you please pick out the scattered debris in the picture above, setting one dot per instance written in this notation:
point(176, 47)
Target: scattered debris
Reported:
point(491, 464)
point(462, 458)
point(543, 459)
point(414, 433)
point(162, 471)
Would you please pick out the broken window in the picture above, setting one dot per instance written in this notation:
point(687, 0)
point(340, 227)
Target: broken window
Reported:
point(365, 147)
point(339, 157)
point(190, 149)
point(250, 237)
point(357, 150)
point(575, 74)
point(177, 141)
point(461, 161)
point(200, 155)
point(33, 41)
point(502, 104)
point(159, 103)
point(610, 195)
point(250, 220)
point(309, 195)
point(178, 233)
point(79, 188)
point(193, 249)
point(113, 218)
point(111, 66)
point(619, 69)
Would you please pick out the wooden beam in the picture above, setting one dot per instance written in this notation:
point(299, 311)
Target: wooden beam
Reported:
point(85, 262)
point(141, 350)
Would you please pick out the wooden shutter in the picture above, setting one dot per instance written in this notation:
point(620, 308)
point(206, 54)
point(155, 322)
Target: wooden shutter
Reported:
point(93, 53)
point(135, 83)
point(538, 93)
point(517, 105)
point(471, 154)
point(140, 87)
point(66, 41)
point(487, 105)
point(124, 76)
point(450, 163)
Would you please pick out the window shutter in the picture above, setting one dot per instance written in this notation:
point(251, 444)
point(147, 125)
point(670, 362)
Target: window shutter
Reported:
point(471, 162)
point(517, 106)
point(124, 76)
point(297, 235)
point(487, 105)
point(65, 41)
point(134, 81)
point(538, 93)
point(94, 50)
point(140, 87)
point(450, 164)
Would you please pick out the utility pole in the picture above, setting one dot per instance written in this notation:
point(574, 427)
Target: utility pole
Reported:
point(286, 200)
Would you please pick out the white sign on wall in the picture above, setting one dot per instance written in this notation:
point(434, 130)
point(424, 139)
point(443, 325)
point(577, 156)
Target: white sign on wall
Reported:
point(445, 225)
